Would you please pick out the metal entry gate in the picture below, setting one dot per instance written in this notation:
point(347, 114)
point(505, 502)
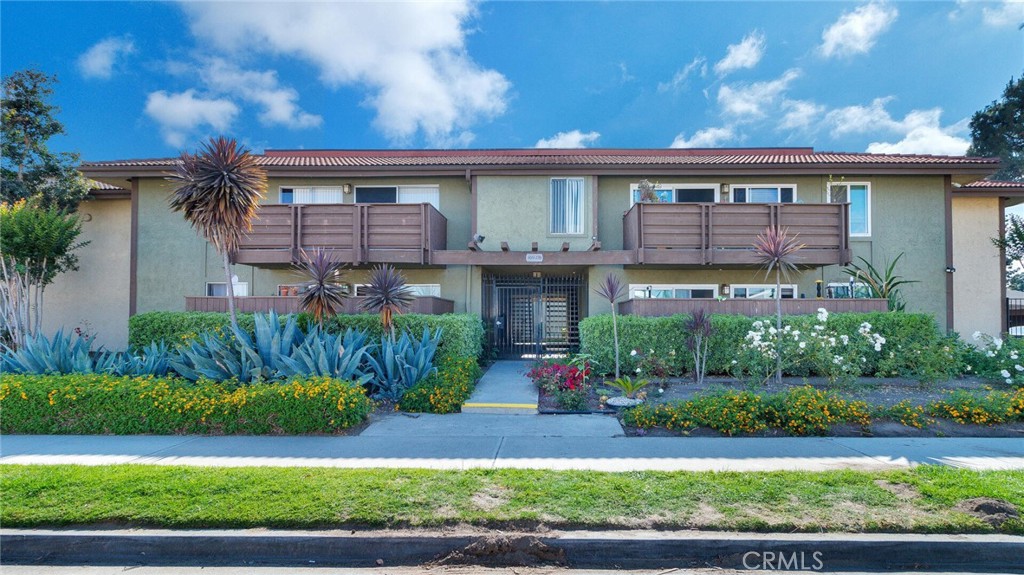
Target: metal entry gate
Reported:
point(525, 315)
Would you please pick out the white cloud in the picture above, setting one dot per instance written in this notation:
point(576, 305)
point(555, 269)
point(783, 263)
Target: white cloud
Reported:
point(678, 81)
point(260, 88)
point(706, 138)
point(749, 102)
point(746, 54)
point(800, 114)
point(98, 61)
point(411, 57)
point(856, 32)
point(179, 115)
point(919, 132)
point(573, 139)
point(1005, 13)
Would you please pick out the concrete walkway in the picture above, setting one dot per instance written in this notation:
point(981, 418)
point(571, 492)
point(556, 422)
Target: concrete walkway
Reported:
point(409, 446)
point(504, 389)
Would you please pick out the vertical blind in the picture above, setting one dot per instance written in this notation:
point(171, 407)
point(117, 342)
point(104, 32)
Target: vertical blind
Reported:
point(318, 195)
point(567, 205)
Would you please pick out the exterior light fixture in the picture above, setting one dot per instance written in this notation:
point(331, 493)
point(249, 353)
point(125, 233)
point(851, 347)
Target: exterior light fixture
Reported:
point(725, 192)
point(950, 269)
point(346, 188)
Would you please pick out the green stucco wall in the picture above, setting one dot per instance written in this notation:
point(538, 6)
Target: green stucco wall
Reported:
point(516, 209)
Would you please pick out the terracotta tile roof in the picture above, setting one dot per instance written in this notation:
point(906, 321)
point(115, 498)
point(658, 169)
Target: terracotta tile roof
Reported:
point(577, 157)
point(94, 185)
point(992, 184)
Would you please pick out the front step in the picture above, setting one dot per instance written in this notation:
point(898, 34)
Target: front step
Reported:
point(500, 408)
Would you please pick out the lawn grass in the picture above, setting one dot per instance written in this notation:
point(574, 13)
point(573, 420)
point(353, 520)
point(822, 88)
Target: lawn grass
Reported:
point(181, 497)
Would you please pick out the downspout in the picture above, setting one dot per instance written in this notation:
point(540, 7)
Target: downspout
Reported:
point(473, 232)
point(948, 185)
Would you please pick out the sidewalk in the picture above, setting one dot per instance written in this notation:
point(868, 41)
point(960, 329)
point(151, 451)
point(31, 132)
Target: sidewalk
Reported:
point(501, 444)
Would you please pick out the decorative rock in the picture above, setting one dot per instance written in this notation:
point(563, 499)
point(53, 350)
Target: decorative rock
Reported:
point(624, 401)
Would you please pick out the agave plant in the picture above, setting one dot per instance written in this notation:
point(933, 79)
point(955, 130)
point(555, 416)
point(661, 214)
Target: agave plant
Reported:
point(38, 354)
point(612, 289)
point(882, 284)
point(387, 294)
point(270, 342)
point(324, 291)
point(777, 252)
point(218, 190)
point(212, 357)
point(330, 355)
point(400, 364)
point(627, 386)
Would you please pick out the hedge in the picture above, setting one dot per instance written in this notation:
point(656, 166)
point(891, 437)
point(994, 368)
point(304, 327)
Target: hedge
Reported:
point(666, 334)
point(105, 404)
point(462, 334)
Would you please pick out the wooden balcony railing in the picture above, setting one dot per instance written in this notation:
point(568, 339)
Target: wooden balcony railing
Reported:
point(356, 233)
point(290, 304)
point(656, 307)
point(723, 234)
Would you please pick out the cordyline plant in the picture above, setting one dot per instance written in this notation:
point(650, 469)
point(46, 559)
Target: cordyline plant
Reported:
point(698, 340)
point(777, 252)
point(387, 294)
point(218, 190)
point(612, 289)
point(324, 292)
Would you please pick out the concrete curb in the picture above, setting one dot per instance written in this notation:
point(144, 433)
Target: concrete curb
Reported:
point(579, 549)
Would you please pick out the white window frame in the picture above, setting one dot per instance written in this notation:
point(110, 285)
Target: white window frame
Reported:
point(281, 189)
point(240, 289)
point(673, 287)
point(635, 187)
point(846, 285)
point(778, 192)
point(580, 228)
point(432, 290)
point(867, 188)
point(733, 287)
point(398, 192)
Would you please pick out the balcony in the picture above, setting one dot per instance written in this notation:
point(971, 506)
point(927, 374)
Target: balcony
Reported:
point(723, 234)
point(658, 307)
point(356, 233)
point(290, 304)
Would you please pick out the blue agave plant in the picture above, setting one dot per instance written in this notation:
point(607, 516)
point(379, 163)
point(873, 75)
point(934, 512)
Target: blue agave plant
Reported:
point(400, 364)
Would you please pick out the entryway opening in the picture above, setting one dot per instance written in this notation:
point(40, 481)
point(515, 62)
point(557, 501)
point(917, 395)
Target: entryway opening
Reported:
point(533, 314)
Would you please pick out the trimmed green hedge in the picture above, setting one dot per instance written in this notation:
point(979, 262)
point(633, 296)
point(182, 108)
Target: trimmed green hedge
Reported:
point(106, 404)
point(462, 334)
point(665, 334)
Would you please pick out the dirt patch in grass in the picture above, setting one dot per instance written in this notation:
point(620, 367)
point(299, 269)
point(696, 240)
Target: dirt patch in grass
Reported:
point(995, 512)
point(901, 490)
point(490, 497)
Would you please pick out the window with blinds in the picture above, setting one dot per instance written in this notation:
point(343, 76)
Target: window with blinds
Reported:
point(567, 206)
point(312, 195)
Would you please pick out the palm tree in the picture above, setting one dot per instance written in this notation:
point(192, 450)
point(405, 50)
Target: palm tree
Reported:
point(777, 252)
point(324, 291)
point(612, 289)
point(387, 294)
point(219, 190)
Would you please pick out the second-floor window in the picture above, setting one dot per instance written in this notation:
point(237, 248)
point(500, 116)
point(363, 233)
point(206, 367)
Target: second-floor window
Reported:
point(567, 206)
point(676, 193)
point(312, 195)
point(858, 195)
point(759, 194)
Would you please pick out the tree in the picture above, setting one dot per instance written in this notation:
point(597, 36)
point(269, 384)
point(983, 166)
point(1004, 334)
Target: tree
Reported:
point(29, 168)
point(998, 130)
point(1012, 244)
point(218, 190)
point(323, 291)
point(777, 252)
point(388, 295)
point(36, 244)
point(612, 289)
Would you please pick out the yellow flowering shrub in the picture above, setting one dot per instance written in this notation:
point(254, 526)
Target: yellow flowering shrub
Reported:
point(990, 409)
point(446, 390)
point(106, 404)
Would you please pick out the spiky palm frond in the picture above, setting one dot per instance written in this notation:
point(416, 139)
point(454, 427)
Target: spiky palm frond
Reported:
point(882, 284)
point(777, 251)
point(611, 288)
point(218, 190)
point(324, 291)
point(387, 294)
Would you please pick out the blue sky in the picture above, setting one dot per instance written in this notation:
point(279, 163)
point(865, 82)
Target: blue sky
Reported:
point(148, 79)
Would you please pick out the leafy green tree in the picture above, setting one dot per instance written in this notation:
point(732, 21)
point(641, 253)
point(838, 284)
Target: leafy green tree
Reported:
point(1012, 244)
point(29, 169)
point(36, 245)
point(219, 190)
point(998, 130)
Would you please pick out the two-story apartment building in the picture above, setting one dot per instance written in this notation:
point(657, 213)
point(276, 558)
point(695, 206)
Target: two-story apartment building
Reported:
point(522, 236)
